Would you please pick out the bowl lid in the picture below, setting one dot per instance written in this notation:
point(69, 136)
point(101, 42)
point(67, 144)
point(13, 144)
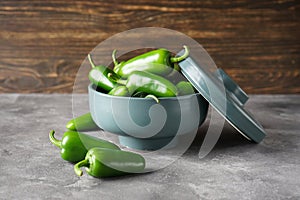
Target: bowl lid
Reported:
point(223, 94)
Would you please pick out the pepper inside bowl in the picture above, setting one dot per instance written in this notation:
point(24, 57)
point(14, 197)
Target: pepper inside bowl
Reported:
point(142, 123)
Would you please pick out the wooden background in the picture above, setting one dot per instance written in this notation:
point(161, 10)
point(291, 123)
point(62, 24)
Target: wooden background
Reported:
point(42, 43)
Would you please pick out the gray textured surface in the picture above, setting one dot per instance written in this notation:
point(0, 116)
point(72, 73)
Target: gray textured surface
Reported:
point(31, 167)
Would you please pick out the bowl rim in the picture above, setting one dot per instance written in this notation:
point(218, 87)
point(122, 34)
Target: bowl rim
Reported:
point(91, 88)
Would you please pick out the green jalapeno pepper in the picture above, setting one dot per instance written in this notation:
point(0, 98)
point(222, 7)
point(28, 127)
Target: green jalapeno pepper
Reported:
point(139, 94)
point(98, 76)
point(140, 81)
point(145, 95)
point(176, 76)
point(185, 88)
point(101, 162)
point(157, 61)
point(75, 145)
point(119, 91)
point(82, 123)
point(123, 91)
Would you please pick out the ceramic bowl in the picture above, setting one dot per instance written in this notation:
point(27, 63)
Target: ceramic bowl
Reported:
point(141, 123)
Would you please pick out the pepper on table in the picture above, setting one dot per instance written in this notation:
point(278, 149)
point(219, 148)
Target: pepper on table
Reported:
point(158, 62)
point(100, 162)
point(75, 145)
point(82, 123)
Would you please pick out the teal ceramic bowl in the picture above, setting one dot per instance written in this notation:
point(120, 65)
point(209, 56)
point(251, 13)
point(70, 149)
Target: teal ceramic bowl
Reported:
point(143, 124)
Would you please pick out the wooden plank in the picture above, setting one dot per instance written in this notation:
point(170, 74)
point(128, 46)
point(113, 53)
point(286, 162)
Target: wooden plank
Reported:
point(43, 43)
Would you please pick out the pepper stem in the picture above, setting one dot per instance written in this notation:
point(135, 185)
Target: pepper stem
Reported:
point(77, 166)
point(55, 141)
point(152, 97)
point(180, 58)
point(176, 67)
point(91, 61)
point(113, 55)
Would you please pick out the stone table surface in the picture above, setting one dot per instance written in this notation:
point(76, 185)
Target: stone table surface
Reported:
point(31, 167)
